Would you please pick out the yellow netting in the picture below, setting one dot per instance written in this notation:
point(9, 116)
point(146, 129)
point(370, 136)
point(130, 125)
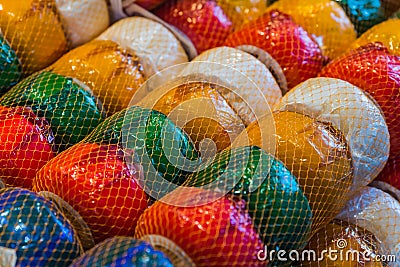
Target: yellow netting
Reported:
point(35, 231)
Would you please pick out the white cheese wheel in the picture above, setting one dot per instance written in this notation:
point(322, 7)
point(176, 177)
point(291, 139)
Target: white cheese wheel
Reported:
point(83, 20)
point(377, 212)
point(150, 40)
point(353, 112)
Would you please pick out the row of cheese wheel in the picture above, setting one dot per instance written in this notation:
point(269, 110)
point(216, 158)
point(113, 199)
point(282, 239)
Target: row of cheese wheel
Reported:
point(340, 160)
point(278, 210)
point(38, 44)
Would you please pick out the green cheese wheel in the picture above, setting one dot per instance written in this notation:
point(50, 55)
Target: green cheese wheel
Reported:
point(158, 145)
point(278, 207)
point(10, 67)
point(70, 108)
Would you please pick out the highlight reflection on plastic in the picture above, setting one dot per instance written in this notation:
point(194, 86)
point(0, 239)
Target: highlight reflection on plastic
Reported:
point(36, 229)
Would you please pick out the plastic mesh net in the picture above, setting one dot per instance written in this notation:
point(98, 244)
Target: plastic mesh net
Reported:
point(34, 230)
point(203, 21)
point(331, 29)
point(378, 79)
point(272, 138)
point(123, 251)
point(343, 237)
point(366, 13)
point(40, 31)
point(277, 33)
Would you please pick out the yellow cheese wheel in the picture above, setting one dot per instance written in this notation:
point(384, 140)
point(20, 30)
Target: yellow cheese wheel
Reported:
point(325, 20)
point(34, 31)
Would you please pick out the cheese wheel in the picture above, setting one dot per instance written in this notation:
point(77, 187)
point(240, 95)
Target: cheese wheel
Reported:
point(83, 20)
point(35, 32)
point(251, 68)
point(351, 111)
point(331, 28)
point(123, 252)
point(316, 153)
point(383, 32)
point(377, 212)
point(34, 228)
point(150, 40)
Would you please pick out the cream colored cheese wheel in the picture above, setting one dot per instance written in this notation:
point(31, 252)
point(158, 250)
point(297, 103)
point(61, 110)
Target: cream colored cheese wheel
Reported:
point(377, 212)
point(252, 70)
point(83, 20)
point(350, 110)
point(150, 40)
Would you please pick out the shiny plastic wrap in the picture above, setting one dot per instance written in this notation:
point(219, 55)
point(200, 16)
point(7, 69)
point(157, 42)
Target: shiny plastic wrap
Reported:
point(317, 154)
point(391, 172)
point(104, 176)
point(212, 109)
point(377, 212)
point(242, 11)
point(386, 187)
point(203, 21)
point(277, 34)
point(331, 28)
point(375, 70)
point(218, 233)
point(34, 231)
point(124, 252)
point(41, 31)
point(60, 100)
point(351, 111)
point(111, 72)
point(251, 68)
point(82, 230)
point(366, 13)
point(35, 32)
point(384, 33)
point(279, 210)
point(97, 183)
point(10, 66)
point(149, 40)
point(83, 20)
point(213, 116)
point(150, 138)
point(25, 145)
point(347, 239)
